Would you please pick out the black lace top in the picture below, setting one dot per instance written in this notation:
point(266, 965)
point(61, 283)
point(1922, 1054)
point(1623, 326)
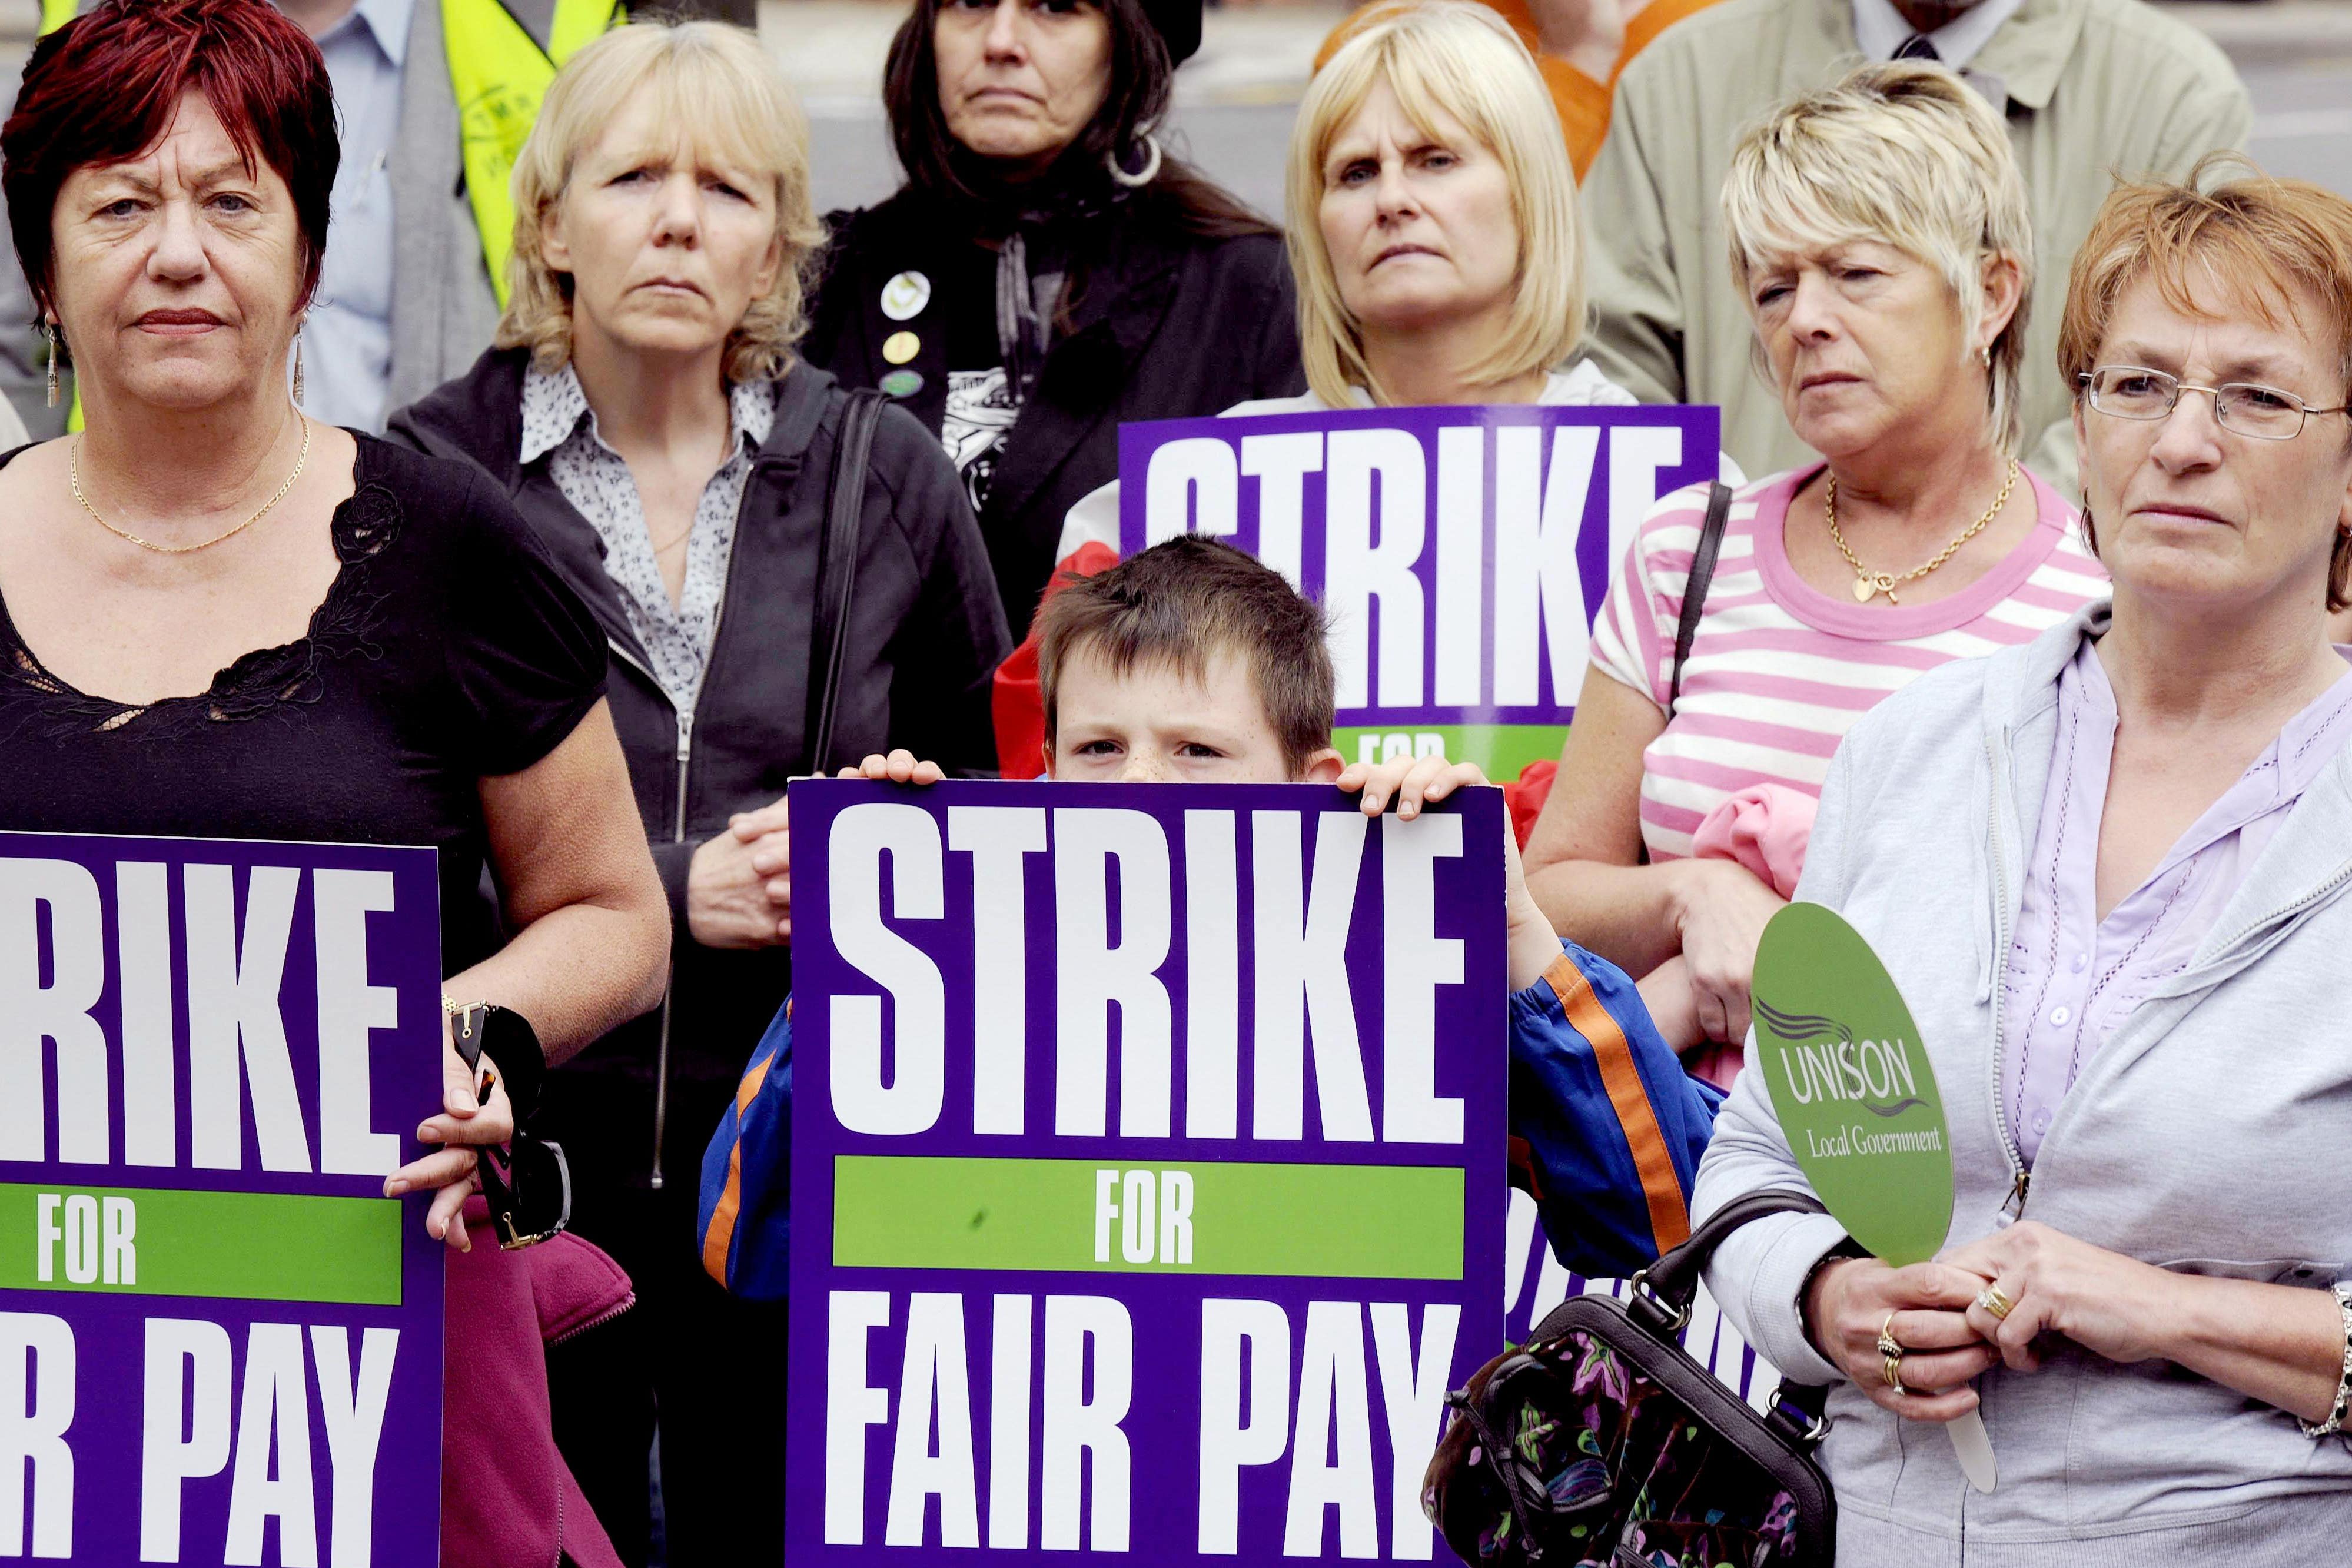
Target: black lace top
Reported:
point(445, 651)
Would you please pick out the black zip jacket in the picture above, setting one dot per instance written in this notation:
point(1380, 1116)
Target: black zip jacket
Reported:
point(924, 638)
point(1167, 326)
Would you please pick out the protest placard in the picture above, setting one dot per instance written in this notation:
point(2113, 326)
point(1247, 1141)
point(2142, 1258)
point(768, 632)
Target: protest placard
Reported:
point(1147, 1168)
point(219, 1343)
point(1461, 552)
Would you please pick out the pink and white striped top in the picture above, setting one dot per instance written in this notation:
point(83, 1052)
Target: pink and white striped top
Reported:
point(1779, 671)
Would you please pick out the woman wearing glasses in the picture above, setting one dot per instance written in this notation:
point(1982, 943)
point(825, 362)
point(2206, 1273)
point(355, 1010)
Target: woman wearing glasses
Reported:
point(2112, 874)
point(1880, 233)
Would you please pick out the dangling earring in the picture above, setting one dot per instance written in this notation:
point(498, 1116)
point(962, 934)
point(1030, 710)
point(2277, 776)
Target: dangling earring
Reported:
point(1150, 163)
point(297, 367)
point(50, 330)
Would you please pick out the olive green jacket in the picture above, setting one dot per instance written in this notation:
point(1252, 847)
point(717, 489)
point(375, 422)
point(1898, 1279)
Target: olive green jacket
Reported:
point(2091, 86)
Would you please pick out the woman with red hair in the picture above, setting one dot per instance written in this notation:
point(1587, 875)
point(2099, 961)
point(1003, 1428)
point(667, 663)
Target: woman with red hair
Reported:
point(219, 619)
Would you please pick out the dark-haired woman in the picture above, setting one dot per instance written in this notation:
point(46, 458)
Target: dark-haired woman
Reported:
point(220, 619)
point(1048, 271)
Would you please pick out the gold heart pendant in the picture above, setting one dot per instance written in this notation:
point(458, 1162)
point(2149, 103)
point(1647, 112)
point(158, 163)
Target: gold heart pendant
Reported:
point(1864, 590)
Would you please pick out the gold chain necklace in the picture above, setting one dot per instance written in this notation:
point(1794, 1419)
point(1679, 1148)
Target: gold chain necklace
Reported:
point(1869, 584)
point(73, 479)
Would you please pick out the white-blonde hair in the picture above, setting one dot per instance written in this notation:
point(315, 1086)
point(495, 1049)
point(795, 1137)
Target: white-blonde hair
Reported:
point(718, 88)
point(1459, 61)
point(1905, 154)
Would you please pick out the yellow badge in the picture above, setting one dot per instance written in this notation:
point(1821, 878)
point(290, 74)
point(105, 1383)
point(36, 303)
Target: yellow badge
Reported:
point(901, 347)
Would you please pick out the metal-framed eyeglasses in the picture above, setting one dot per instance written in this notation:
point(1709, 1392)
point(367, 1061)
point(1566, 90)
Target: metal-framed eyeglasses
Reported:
point(2243, 407)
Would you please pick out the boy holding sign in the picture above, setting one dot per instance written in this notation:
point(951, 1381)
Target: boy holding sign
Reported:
point(1191, 662)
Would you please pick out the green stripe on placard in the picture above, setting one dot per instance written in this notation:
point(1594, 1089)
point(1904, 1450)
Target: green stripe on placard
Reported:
point(1367, 1222)
point(249, 1246)
point(1503, 750)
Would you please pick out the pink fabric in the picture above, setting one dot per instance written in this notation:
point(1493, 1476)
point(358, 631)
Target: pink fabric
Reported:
point(508, 1499)
point(1764, 829)
point(1779, 671)
point(574, 1286)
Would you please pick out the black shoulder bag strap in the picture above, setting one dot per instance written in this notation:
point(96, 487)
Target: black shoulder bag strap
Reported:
point(1662, 1294)
point(836, 568)
point(1702, 575)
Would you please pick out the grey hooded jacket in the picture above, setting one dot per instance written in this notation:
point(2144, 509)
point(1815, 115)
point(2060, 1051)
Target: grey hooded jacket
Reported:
point(2209, 1135)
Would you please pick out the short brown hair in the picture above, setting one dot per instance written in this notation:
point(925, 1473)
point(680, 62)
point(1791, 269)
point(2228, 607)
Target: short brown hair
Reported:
point(2265, 239)
point(1182, 603)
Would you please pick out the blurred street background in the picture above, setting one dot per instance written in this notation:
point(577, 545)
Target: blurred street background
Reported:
point(1234, 101)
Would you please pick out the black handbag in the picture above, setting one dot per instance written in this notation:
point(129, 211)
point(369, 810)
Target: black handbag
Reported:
point(1601, 1441)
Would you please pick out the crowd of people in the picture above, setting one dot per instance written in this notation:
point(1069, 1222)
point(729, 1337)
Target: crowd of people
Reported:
point(479, 440)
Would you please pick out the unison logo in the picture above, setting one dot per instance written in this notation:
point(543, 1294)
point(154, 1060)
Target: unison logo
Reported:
point(1823, 1061)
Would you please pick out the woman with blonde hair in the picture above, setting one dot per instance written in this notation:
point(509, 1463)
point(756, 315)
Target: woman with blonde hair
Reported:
point(1435, 244)
point(1433, 228)
point(1879, 231)
point(645, 411)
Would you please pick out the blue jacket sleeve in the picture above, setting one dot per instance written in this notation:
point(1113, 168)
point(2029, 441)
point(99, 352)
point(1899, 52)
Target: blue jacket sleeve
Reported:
point(1610, 1125)
point(744, 1210)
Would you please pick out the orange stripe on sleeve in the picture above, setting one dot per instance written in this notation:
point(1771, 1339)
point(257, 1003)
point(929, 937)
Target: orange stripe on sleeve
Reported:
point(1669, 1215)
point(721, 1236)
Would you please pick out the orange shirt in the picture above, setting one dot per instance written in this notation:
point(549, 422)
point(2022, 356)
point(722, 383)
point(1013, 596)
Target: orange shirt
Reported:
point(1584, 103)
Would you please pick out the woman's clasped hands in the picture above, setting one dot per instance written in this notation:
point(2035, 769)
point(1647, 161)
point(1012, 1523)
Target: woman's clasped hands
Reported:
point(1980, 1305)
point(739, 886)
point(1857, 1304)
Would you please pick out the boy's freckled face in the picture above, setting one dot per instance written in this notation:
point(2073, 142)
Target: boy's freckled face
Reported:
point(1156, 724)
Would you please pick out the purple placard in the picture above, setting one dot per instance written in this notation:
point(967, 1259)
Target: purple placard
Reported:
point(984, 1356)
point(1462, 553)
point(209, 1351)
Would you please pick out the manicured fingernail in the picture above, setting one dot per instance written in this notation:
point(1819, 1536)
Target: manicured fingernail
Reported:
point(394, 1187)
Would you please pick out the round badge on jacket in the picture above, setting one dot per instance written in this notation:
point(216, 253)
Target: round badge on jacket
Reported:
point(903, 383)
point(901, 347)
point(903, 296)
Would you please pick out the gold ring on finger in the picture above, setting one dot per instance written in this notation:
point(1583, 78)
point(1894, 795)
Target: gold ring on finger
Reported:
point(1886, 1342)
point(1994, 1300)
point(1895, 1373)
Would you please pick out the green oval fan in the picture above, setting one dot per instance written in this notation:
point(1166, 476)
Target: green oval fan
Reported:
point(1851, 1083)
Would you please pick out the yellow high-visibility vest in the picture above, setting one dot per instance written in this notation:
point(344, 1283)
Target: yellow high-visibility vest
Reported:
point(499, 76)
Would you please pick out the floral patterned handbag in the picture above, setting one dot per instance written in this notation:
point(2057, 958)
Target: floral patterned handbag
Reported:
point(1601, 1442)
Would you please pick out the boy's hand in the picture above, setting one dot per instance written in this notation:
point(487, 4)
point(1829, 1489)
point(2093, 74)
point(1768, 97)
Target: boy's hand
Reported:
point(898, 767)
point(1425, 781)
point(1411, 782)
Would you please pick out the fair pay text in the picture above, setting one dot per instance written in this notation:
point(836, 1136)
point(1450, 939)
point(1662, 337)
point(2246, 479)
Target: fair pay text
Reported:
point(145, 1027)
point(1193, 1005)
